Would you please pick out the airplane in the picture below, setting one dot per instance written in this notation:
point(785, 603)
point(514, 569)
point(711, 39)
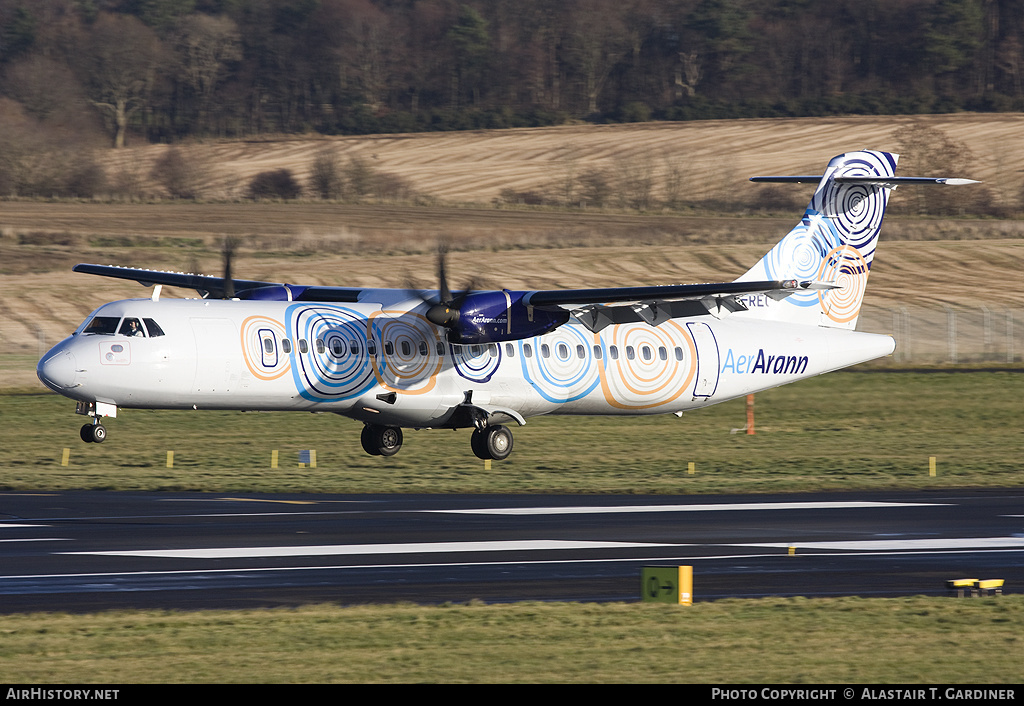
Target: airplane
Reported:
point(483, 360)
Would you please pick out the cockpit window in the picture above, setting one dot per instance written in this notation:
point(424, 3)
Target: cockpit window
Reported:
point(103, 324)
point(153, 327)
point(132, 327)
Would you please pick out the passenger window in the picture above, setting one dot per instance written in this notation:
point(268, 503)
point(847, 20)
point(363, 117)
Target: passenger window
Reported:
point(630, 353)
point(337, 348)
point(286, 345)
point(475, 351)
point(510, 350)
point(679, 353)
point(597, 351)
point(527, 350)
point(563, 351)
point(545, 351)
point(662, 353)
point(103, 324)
point(406, 349)
point(424, 350)
point(389, 348)
point(645, 351)
point(320, 347)
point(371, 347)
point(613, 352)
point(303, 346)
point(268, 344)
point(353, 346)
point(153, 327)
point(132, 327)
point(492, 349)
point(440, 347)
point(581, 351)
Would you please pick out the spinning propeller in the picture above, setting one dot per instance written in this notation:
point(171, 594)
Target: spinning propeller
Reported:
point(445, 309)
point(230, 245)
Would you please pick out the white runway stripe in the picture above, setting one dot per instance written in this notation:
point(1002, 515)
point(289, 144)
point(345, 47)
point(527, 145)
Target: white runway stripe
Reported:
point(709, 507)
point(360, 549)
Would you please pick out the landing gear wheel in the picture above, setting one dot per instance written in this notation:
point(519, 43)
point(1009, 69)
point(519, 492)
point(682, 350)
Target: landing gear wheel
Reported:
point(378, 440)
point(492, 443)
point(499, 442)
point(366, 439)
point(479, 444)
point(93, 433)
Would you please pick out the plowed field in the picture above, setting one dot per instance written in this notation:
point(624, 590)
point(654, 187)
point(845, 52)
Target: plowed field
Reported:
point(925, 261)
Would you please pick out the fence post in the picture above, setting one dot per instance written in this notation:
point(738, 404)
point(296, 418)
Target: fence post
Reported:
point(951, 333)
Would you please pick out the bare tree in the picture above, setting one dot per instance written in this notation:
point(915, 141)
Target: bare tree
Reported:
point(598, 42)
point(205, 46)
point(325, 178)
point(119, 62)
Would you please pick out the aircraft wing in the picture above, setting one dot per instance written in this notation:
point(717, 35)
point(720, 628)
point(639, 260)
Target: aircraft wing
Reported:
point(208, 286)
point(597, 308)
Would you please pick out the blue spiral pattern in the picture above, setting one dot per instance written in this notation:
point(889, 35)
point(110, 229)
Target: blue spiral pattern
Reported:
point(476, 363)
point(336, 372)
point(838, 234)
point(563, 376)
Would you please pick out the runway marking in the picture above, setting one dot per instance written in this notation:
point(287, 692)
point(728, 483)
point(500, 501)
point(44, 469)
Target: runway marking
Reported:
point(38, 539)
point(420, 565)
point(707, 507)
point(885, 545)
point(5, 525)
point(360, 549)
point(261, 500)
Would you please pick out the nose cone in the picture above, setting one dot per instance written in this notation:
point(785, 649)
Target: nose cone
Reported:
point(58, 371)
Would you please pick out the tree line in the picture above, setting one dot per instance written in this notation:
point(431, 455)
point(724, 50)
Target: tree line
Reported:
point(164, 70)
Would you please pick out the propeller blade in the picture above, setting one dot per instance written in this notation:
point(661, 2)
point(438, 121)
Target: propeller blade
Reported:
point(445, 311)
point(229, 251)
point(442, 272)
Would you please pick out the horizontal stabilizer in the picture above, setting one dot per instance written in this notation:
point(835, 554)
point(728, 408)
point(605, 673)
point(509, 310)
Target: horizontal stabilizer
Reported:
point(890, 182)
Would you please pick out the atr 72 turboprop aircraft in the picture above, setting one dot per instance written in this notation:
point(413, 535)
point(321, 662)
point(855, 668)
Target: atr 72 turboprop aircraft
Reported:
point(394, 358)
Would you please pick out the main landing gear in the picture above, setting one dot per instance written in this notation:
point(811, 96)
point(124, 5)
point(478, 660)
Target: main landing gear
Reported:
point(93, 433)
point(380, 440)
point(492, 443)
point(489, 443)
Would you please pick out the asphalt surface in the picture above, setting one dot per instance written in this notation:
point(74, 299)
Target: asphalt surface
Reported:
point(83, 551)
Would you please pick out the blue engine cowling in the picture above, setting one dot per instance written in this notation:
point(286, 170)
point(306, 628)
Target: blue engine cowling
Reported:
point(489, 317)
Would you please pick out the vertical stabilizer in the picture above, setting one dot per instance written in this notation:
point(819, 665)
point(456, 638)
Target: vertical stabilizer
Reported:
point(834, 243)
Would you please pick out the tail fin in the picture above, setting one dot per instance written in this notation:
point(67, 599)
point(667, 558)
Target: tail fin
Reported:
point(833, 243)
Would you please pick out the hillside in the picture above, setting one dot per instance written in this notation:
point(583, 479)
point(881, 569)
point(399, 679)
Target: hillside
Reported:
point(474, 167)
point(926, 261)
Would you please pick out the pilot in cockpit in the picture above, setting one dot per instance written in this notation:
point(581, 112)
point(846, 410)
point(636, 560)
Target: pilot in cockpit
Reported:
point(131, 327)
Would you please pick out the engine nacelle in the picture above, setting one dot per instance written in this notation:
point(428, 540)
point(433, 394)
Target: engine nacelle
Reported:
point(490, 317)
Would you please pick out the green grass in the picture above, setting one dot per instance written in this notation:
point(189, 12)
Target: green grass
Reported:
point(792, 640)
point(844, 431)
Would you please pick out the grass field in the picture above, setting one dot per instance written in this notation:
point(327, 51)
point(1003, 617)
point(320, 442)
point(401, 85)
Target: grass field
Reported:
point(843, 431)
point(914, 640)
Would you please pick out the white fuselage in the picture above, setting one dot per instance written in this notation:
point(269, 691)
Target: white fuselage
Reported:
point(383, 362)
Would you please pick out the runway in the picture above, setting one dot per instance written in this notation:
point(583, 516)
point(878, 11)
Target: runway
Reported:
point(81, 551)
